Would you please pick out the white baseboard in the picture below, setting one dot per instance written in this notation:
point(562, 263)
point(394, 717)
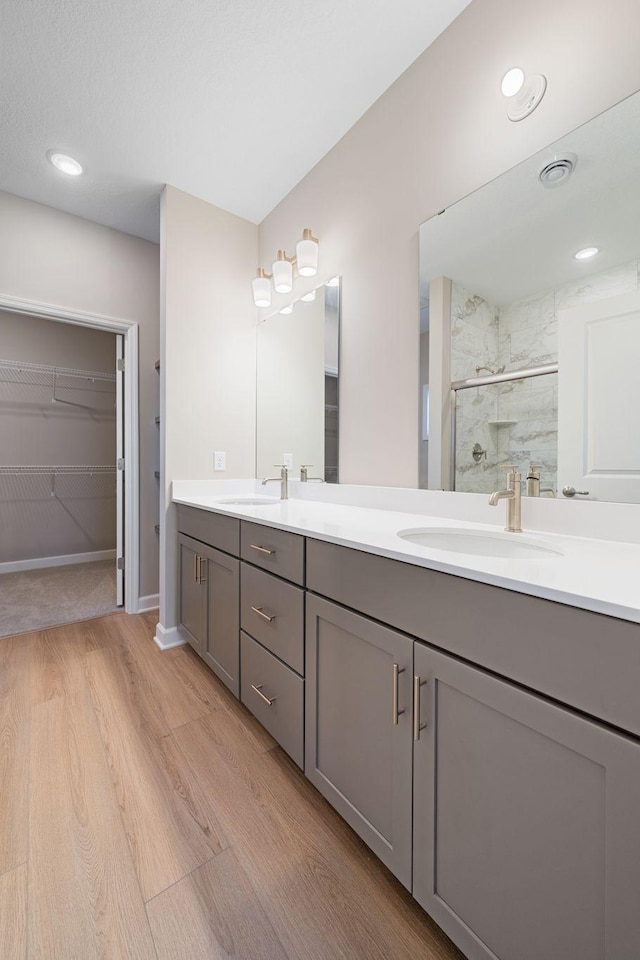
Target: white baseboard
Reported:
point(16, 566)
point(152, 602)
point(167, 637)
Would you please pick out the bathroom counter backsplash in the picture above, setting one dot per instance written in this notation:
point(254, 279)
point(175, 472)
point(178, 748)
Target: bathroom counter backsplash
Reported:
point(598, 570)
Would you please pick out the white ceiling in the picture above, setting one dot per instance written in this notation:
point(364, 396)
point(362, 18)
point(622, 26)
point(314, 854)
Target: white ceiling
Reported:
point(233, 101)
point(514, 238)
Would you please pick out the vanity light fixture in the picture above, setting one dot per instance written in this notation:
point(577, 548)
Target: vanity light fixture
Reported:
point(308, 297)
point(261, 284)
point(586, 253)
point(282, 269)
point(305, 262)
point(307, 254)
point(64, 163)
point(523, 93)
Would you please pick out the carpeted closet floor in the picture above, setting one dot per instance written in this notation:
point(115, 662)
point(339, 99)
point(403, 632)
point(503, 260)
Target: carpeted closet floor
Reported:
point(33, 599)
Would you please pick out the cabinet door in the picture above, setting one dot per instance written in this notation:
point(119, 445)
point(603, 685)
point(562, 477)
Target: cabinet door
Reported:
point(221, 576)
point(192, 600)
point(358, 727)
point(526, 835)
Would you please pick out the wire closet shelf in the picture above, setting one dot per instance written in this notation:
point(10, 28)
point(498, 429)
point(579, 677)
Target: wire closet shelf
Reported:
point(40, 374)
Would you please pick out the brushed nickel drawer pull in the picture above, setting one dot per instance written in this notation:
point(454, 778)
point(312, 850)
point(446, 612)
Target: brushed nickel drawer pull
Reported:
point(265, 616)
point(195, 567)
point(397, 670)
point(417, 726)
point(269, 553)
point(201, 561)
point(266, 699)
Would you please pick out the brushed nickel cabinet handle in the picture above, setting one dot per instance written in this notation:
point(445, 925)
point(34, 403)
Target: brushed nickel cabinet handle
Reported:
point(265, 616)
point(195, 567)
point(417, 726)
point(262, 696)
point(397, 670)
point(201, 561)
point(269, 553)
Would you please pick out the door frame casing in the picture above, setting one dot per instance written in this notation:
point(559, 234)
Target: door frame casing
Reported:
point(129, 330)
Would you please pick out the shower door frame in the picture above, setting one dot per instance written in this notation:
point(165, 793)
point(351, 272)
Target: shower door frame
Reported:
point(472, 382)
point(129, 330)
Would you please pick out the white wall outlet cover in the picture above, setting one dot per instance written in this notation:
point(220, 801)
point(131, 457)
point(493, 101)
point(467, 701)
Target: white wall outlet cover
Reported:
point(219, 460)
point(287, 459)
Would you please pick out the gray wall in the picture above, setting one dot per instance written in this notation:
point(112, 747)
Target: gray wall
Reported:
point(79, 428)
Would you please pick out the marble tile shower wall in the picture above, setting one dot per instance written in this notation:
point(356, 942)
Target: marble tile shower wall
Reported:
point(511, 337)
point(474, 343)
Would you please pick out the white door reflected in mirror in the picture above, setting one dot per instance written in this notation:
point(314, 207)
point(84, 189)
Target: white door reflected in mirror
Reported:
point(598, 399)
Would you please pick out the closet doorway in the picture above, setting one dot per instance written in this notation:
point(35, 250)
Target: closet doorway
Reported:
point(68, 436)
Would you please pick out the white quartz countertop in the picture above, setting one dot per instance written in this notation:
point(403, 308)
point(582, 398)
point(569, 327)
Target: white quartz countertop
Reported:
point(594, 574)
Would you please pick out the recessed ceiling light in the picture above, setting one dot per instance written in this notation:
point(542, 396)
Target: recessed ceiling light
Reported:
point(64, 163)
point(512, 82)
point(586, 253)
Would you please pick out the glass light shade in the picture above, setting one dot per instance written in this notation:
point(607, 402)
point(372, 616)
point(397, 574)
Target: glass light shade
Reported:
point(512, 82)
point(308, 297)
point(261, 291)
point(287, 309)
point(333, 282)
point(307, 257)
point(282, 276)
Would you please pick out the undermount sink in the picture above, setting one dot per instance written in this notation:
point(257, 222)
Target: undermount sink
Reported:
point(510, 546)
point(248, 501)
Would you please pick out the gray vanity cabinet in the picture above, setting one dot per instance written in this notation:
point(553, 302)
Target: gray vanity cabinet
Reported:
point(526, 823)
point(192, 596)
point(208, 602)
point(358, 749)
point(222, 650)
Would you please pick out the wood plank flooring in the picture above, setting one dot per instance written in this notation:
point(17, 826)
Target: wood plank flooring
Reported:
point(146, 815)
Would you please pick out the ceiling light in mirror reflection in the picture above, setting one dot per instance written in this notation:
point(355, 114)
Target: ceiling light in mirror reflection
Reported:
point(64, 163)
point(309, 297)
point(586, 253)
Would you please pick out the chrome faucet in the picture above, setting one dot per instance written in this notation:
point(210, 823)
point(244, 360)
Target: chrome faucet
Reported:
point(304, 474)
point(512, 495)
point(283, 479)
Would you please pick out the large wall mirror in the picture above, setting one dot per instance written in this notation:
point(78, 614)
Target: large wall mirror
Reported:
point(297, 396)
point(530, 322)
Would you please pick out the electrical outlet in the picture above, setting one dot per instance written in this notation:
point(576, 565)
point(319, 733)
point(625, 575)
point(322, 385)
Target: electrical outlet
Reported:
point(287, 459)
point(219, 460)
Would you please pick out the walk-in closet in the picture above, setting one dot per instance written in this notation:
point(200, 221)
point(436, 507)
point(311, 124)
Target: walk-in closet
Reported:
point(59, 503)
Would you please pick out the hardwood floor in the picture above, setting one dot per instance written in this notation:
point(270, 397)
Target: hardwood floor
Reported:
point(144, 813)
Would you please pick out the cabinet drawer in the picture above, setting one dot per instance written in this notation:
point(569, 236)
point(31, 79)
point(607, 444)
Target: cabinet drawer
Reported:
point(266, 678)
point(584, 659)
point(272, 611)
point(213, 528)
point(275, 550)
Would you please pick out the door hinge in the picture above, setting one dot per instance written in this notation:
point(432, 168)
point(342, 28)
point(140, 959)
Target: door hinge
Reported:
point(120, 563)
point(120, 365)
point(120, 463)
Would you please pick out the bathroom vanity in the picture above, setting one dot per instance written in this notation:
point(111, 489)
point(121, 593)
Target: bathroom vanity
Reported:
point(482, 737)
